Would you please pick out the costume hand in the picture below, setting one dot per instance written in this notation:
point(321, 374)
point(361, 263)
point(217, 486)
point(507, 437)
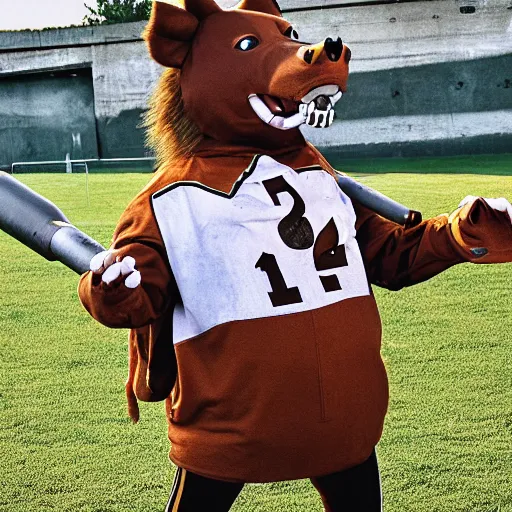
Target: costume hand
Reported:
point(500, 204)
point(112, 268)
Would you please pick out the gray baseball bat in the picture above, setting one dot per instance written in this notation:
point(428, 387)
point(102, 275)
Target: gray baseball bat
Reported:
point(378, 202)
point(37, 223)
point(40, 225)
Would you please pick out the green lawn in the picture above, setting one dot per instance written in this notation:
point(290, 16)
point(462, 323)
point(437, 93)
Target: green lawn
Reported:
point(500, 165)
point(66, 443)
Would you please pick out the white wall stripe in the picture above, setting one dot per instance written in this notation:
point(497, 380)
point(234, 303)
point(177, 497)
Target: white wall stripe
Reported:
point(382, 130)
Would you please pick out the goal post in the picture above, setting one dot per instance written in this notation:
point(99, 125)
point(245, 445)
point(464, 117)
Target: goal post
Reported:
point(85, 165)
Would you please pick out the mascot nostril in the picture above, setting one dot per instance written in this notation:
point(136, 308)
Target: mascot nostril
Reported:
point(333, 49)
point(348, 55)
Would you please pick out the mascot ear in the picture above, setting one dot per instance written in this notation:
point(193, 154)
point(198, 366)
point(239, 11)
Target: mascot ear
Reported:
point(201, 8)
point(265, 6)
point(169, 34)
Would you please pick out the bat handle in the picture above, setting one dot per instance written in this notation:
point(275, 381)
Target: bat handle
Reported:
point(413, 219)
point(379, 203)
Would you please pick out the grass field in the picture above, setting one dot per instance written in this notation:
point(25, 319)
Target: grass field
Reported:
point(66, 443)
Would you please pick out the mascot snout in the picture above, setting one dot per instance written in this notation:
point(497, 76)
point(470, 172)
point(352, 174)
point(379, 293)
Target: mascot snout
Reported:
point(305, 89)
point(333, 50)
point(280, 82)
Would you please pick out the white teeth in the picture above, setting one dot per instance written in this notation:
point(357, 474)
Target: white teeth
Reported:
point(324, 90)
point(319, 118)
point(279, 122)
point(332, 113)
point(308, 113)
point(322, 118)
point(334, 99)
point(262, 111)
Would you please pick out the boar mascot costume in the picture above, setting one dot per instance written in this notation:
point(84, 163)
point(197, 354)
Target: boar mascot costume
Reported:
point(244, 273)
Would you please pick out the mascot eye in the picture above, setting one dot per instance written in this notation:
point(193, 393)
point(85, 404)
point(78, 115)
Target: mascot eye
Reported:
point(292, 33)
point(247, 43)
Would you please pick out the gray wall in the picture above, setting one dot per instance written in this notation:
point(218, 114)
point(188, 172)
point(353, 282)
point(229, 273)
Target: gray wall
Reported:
point(121, 78)
point(46, 116)
point(425, 78)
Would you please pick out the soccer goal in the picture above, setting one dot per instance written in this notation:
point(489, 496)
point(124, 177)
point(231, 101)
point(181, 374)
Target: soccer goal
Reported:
point(68, 165)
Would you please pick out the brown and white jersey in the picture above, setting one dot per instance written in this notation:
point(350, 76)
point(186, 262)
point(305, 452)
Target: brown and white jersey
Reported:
point(267, 274)
point(256, 312)
point(280, 242)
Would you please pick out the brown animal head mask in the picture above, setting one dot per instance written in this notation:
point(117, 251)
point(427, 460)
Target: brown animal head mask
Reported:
point(245, 76)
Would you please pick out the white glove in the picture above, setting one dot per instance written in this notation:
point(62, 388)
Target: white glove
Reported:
point(500, 204)
point(105, 263)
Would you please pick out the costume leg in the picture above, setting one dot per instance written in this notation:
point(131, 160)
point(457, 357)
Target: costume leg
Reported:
point(356, 489)
point(194, 493)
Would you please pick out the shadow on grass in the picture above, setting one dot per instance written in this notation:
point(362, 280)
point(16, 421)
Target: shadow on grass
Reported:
point(492, 165)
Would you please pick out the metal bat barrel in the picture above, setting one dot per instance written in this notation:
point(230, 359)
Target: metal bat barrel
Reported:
point(40, 225)
point(378, 202)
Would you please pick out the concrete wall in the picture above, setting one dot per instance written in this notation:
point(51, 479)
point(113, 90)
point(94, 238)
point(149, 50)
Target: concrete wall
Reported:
point(48, 116)
point(122, 77)
point(426, 76)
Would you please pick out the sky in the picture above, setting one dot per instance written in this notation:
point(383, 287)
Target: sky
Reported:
point(21, 14)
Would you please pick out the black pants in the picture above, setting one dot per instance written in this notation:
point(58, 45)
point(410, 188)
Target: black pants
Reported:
point(353, 490)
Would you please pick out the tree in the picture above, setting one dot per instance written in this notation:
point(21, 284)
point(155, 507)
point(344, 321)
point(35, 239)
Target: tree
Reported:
point(108, 12)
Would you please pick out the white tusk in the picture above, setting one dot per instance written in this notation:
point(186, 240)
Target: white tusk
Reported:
point(279, 122)
point(262, 111)
point(337, 97)
point(287, 123)
point(466, 200)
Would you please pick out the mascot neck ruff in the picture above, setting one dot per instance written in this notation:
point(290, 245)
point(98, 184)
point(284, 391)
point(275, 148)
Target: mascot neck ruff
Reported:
point(244, 273)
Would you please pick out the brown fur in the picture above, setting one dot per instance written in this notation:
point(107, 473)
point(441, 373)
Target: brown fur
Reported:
point(171, 134)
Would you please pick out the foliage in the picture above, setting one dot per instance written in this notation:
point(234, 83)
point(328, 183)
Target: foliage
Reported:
point(108, 12)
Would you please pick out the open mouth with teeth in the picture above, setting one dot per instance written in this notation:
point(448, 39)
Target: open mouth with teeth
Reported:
point(315, 109)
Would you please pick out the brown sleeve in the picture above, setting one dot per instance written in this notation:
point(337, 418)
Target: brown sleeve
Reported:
point(483, 234)
point(146, 310)
point(152, 364)
point(395, 257)
point(136, 235)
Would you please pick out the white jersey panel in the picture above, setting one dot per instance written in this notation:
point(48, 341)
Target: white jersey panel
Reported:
point(282, 242)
